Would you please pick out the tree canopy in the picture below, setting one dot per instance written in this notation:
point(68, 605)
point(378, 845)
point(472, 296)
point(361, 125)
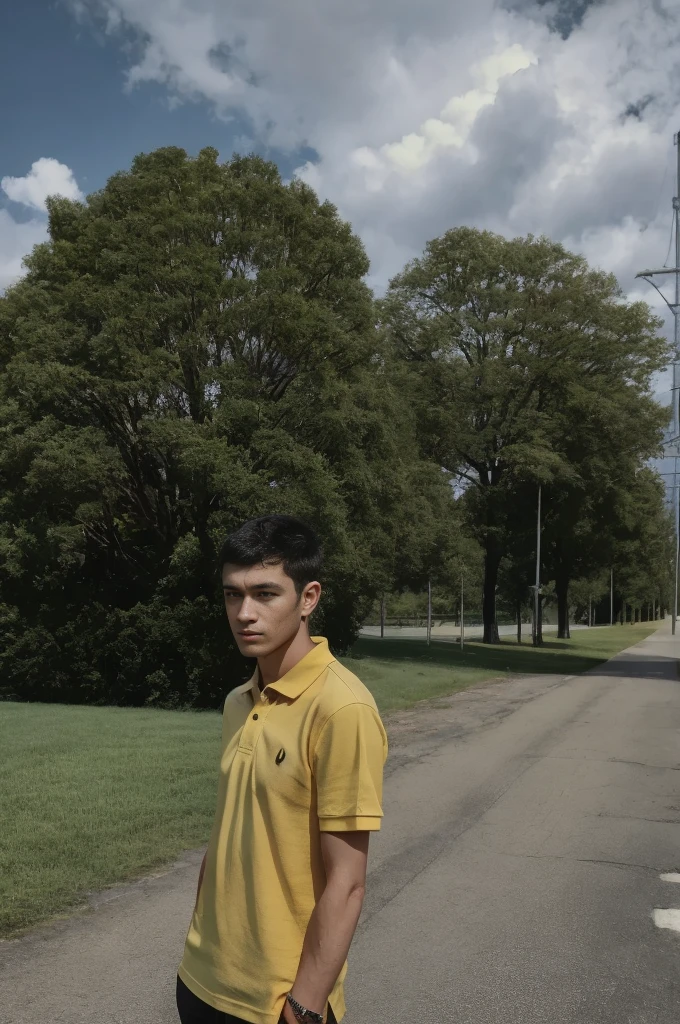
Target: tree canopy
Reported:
point(196, 345)
point(193, 346)
point(529, 368)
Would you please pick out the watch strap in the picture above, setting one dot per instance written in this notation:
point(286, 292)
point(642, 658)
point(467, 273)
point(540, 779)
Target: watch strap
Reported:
point(302, 1014)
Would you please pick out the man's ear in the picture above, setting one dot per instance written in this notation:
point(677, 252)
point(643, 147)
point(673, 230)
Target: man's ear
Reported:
point(310, 598)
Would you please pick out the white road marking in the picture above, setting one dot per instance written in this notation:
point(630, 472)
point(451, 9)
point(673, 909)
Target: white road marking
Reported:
point(673, 876)
point(667, 919)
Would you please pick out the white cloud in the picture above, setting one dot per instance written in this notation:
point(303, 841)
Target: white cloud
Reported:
point(453, 126)
point(16, 239)
point(47, 177)
point(445, 112)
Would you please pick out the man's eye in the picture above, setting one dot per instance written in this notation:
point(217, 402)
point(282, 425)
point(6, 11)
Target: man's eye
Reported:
point(267, 593)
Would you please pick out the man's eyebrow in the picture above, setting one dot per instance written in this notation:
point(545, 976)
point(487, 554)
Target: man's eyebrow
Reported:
point(255, 586)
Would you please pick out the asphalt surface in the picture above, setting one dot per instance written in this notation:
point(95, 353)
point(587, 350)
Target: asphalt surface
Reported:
point(527, 824)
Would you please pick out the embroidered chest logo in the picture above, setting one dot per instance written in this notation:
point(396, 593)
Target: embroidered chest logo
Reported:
point(280, 756)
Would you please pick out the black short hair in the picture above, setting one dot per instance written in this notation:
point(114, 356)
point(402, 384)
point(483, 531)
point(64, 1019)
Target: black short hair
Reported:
point(276, 540)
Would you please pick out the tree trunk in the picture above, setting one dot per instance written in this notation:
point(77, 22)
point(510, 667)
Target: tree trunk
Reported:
point(491, 563)
point(519, 621)
point(562, 589)
point(539, 624)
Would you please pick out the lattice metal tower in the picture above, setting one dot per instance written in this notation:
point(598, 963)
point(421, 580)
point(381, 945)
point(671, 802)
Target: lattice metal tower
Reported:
point(672, 444)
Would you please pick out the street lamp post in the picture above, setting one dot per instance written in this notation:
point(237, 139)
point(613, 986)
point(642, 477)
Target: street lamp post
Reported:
point(462, 612)
point(536, 633)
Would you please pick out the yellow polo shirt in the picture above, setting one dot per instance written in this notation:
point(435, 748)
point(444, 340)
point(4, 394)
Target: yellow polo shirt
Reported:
point(303, 756)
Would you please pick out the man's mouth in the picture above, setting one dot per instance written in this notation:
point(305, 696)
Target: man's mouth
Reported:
point(249, 636)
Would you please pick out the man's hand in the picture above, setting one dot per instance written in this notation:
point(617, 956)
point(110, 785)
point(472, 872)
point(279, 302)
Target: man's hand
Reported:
point(288, 1016)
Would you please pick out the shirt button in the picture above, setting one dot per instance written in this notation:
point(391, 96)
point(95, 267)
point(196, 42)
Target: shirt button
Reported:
point(255, 716)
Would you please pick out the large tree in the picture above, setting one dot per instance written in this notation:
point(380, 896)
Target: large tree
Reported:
point(506, 339)
point(193, 346)
point(609, 427)
point(644, 545)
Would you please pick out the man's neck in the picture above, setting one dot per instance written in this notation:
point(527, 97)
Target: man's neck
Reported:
point(275, 665)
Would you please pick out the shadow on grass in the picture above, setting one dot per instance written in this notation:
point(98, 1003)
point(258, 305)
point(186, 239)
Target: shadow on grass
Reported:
point(560, 657)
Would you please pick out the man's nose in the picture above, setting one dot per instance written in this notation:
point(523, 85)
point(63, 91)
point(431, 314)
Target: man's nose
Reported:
point(246, 612)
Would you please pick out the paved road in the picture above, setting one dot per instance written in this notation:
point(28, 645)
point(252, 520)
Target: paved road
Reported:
point(527, 825)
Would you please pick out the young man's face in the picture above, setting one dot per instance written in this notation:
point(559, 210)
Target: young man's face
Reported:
point(263, 607)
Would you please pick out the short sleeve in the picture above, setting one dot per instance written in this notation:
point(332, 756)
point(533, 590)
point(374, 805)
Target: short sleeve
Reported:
point(348, 765)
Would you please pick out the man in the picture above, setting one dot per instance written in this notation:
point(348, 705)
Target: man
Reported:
point(300, 789)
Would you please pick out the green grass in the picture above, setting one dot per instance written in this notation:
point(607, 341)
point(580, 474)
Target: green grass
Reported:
point(399, 681)
point(401, 672)
point(92, 796)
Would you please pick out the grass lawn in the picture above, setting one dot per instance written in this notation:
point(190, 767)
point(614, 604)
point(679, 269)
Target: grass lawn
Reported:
point(401, 672)
point(92, 796)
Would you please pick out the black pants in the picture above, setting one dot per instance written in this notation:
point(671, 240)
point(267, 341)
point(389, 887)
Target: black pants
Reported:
point(193, 1010)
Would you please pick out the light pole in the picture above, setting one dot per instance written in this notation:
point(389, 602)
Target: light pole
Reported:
point(675, 310)
point(536, 637)
point(462, 612)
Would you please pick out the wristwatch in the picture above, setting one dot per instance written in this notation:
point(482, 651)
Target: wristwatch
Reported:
point(302, 1014)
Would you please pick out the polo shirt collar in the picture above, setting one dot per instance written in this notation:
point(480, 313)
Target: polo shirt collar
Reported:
point(301, 676)
point(250, 685)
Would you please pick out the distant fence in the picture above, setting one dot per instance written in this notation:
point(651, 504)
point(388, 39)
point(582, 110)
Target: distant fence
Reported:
point(420, 621)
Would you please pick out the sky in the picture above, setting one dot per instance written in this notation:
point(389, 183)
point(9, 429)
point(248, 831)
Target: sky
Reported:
point(513, 115)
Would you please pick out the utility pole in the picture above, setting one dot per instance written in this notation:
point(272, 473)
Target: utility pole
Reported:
point(382, 618)
point(536, 637)
point(676, 377)
point(672, 444)
point(462, 613)
point(611, 600)
point(677, 552)
point(429, 611)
